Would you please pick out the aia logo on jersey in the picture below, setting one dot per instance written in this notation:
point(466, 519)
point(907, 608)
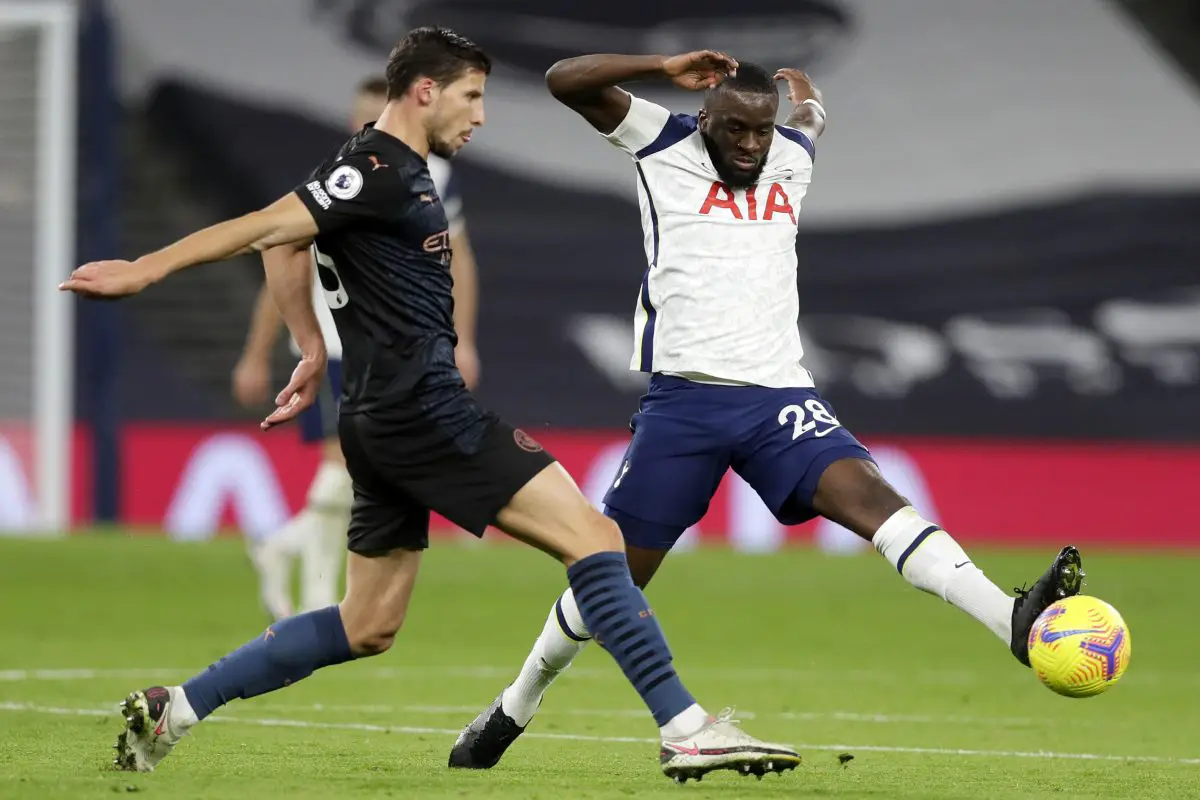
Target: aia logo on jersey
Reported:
point(721, 197)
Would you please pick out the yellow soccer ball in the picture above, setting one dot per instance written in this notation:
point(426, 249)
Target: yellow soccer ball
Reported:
point(1079, 646)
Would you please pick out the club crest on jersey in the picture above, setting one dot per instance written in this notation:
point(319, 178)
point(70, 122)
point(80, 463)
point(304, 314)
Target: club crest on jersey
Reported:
point(526, 442)
point(345, 183)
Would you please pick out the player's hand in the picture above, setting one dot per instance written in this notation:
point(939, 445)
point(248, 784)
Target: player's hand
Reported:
point(110, 278)
point(800, 88)
point(252, 381)
point(301, 391)
point(702, 69)
point(466, 357)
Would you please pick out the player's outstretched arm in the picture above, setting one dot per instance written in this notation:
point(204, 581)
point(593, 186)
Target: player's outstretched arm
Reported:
point(289, 274)
point(809, 112)
point(286, 220)
point(588, 84)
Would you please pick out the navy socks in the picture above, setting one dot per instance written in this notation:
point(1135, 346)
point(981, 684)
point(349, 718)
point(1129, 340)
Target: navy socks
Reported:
point(288, 651)
point(620, 620)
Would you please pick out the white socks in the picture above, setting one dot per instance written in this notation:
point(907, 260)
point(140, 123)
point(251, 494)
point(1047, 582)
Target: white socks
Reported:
point(562, 638)
point(180, 715)
point(686, 723)
point(932, 561)
point(923, 553)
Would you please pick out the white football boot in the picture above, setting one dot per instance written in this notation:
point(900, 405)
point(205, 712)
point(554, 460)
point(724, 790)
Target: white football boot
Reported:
point(721, 744)
point(149, 734)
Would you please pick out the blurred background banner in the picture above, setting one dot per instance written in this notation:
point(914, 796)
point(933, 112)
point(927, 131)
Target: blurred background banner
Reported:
point(998, 271)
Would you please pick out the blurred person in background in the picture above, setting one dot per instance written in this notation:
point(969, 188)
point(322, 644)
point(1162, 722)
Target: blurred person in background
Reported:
point(316, 535)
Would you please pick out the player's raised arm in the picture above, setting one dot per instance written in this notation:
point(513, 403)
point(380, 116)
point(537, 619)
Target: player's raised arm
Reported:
point(808, 115)
point(286, 220)
point(588, 84)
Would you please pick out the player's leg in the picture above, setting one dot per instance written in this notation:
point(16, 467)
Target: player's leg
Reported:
point(316, 534)
point(328, 508)
point(386, 537)
point(272, 562)
point(274, 556)
point(562, 638)
point(551, 514)
point(670, 473)
point(853, 493)
point(321, 525)
point(803, 462)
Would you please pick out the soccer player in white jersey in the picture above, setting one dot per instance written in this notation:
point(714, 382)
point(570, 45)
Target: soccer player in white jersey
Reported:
point(316, 535)
point(716, 327)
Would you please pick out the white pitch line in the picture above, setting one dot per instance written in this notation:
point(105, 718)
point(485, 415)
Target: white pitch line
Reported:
point(941, 678)
point(635, 713)
point(355, 726)
point(20, 675)
point(484, 672)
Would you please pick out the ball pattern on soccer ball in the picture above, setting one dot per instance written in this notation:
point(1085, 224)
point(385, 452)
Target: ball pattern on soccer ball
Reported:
point(1079, 646)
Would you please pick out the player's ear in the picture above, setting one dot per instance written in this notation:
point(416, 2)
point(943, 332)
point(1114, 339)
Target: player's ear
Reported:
point(702, 121)
point(425, 90)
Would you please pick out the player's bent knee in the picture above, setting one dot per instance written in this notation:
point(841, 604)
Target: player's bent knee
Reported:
point(378, 590)
point(596, 533)
point(372, 644)
point(371, 636)
point(603, 535)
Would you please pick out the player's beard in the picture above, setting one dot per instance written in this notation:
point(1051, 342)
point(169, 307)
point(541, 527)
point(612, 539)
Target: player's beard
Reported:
point(440, 144)
point(731, 177)
point(441, 148)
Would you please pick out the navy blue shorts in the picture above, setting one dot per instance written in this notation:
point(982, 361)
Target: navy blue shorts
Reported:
point(686, 435)
point(319, 421)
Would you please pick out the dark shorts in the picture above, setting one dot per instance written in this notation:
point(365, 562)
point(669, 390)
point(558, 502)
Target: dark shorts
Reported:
point(319, 421)
point(405, 466)
point(686, 436)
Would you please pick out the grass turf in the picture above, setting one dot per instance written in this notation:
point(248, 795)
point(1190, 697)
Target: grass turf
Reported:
point(837, 655)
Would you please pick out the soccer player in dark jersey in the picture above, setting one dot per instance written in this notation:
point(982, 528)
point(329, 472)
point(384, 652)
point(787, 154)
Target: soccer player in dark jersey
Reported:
point(414, 438)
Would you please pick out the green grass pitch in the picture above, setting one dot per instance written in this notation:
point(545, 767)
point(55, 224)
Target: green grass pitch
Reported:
point(837, 655)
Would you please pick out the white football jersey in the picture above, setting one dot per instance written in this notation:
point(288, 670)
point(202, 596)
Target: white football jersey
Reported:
point(719, 299)
point(447, 189)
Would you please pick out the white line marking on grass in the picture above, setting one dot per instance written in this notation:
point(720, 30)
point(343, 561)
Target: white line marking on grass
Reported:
point(355, 726)
point(636, 713)
point(940, 678)
point(18, 675)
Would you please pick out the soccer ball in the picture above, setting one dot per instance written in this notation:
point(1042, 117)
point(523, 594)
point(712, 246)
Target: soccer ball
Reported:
point(1079, 646)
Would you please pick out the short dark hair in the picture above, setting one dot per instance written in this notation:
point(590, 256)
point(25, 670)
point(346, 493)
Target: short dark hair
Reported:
point(750, 78)
point(373, 85)
point(439, 54)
